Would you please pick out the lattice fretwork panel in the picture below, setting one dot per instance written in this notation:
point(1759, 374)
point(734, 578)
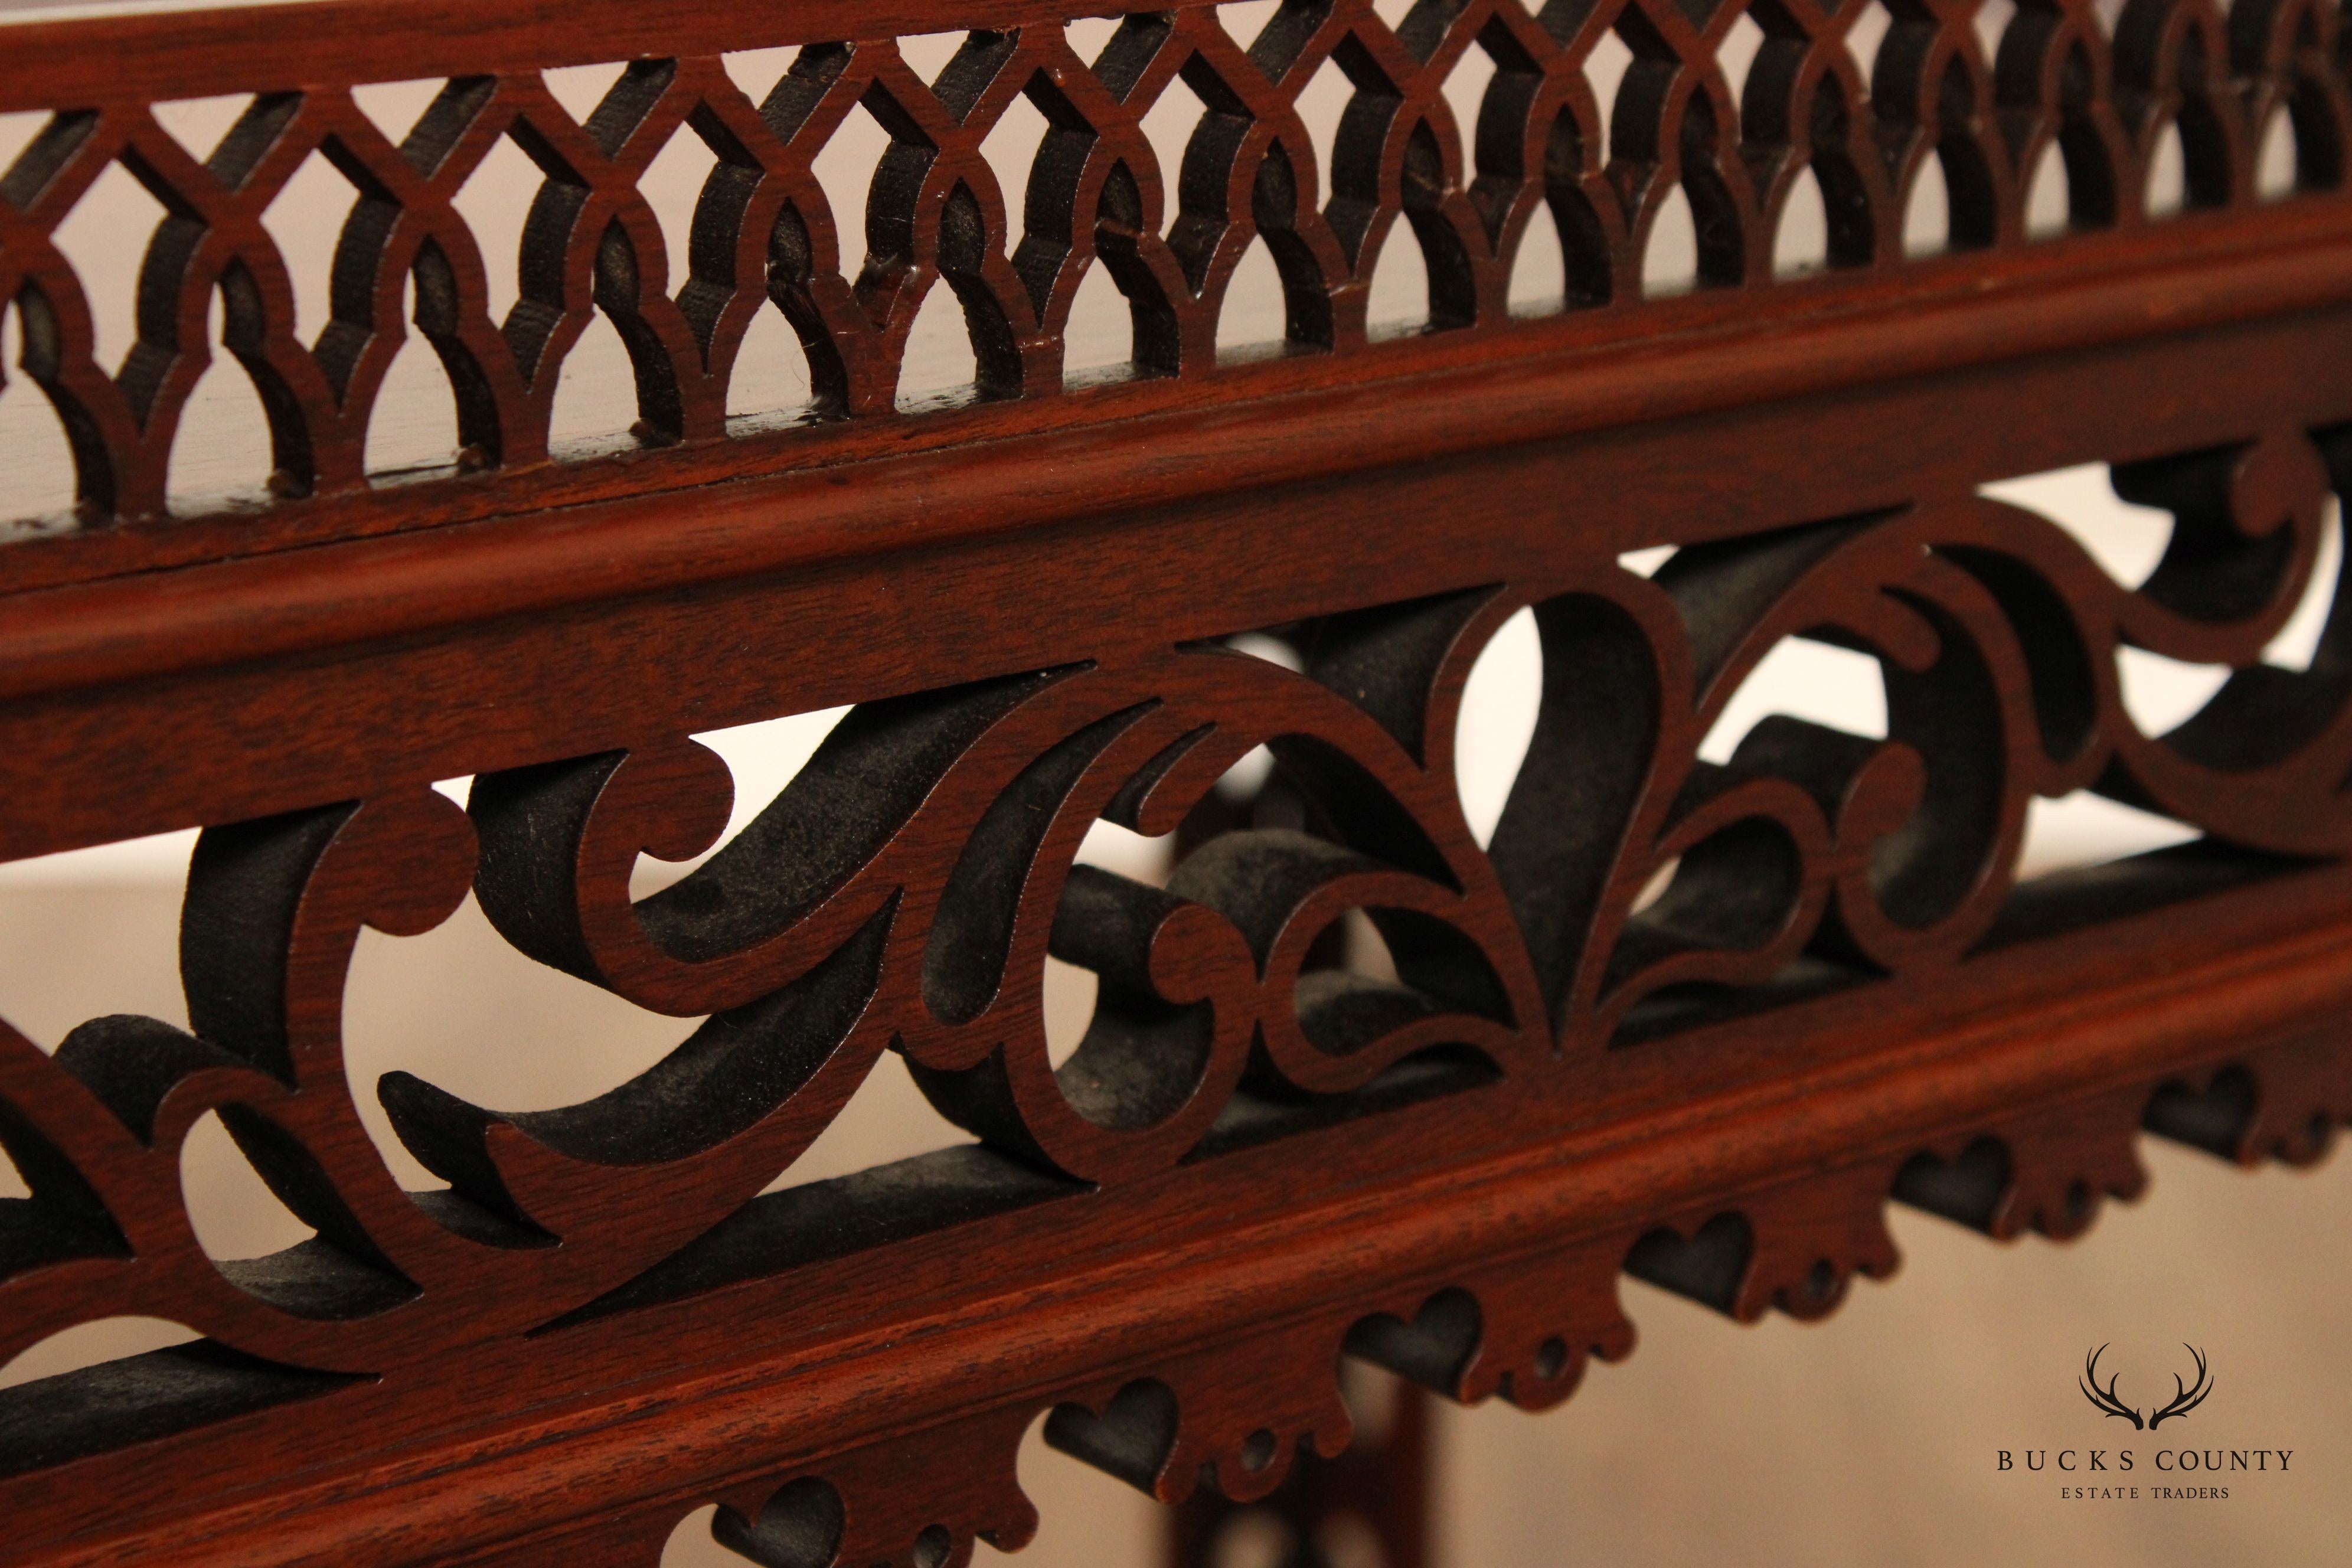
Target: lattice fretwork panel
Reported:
point(1531, 158)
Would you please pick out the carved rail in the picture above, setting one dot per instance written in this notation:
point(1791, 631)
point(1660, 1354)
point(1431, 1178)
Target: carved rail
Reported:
point(1694, 1019)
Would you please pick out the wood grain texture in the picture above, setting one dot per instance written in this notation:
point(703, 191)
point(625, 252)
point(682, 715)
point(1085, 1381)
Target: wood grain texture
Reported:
point(1690, 1015)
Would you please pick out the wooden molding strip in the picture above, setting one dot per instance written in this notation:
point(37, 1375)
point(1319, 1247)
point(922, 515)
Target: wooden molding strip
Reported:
point(204, 50)
point(2279, 263)
point(708, 1430)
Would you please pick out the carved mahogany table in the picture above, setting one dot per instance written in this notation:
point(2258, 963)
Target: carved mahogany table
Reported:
point(1694, 1020)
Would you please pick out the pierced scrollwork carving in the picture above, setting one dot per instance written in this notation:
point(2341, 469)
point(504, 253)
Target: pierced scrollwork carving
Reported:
point(1523, 1329)
point(2049, 1171)
point(855, 1512)
point(1526, 1331)
point(1197, 1422)
point(1796, 1249)
point(2281, 1103)
point(906, 889)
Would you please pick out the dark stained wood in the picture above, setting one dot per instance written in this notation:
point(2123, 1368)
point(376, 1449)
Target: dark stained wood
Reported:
point(1267, 1155)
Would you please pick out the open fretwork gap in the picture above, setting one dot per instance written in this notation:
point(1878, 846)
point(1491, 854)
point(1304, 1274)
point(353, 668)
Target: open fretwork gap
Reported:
point(2127, 540)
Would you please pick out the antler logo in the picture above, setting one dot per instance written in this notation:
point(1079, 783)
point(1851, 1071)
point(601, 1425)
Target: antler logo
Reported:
point(2186, 1397)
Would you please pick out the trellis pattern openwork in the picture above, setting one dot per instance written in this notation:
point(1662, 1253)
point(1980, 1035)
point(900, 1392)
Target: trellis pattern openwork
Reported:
point(1359, 1079)
point(1465, 175)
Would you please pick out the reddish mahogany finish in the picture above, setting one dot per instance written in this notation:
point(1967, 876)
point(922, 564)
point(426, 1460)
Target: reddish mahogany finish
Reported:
point(1692, 1020)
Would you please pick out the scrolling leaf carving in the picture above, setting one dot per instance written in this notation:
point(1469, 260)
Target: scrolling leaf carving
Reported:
point(904, 891)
